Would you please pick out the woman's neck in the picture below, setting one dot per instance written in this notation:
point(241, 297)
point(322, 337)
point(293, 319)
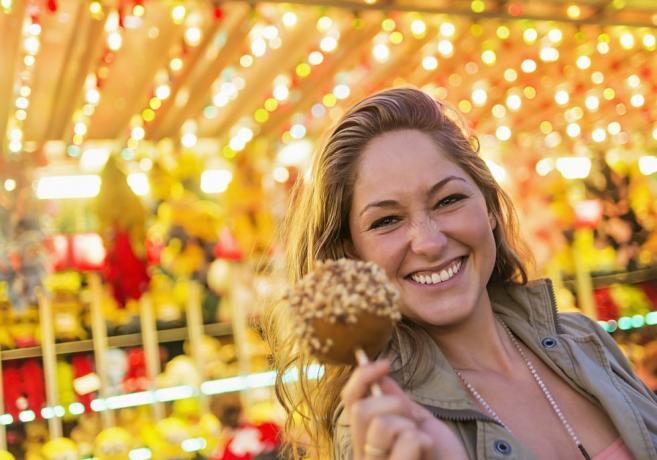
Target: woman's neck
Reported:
point(478, 343)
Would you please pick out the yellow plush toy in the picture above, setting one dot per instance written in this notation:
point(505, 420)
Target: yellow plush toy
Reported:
point(4, 455)
point(113, 444)
point(60, 449)
point(168, 441)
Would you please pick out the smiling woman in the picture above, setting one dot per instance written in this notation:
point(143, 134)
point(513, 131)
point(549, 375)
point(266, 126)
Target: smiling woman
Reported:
point(482, 365)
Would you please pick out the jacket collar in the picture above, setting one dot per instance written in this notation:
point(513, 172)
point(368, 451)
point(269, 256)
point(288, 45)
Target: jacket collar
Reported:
point(519, 306)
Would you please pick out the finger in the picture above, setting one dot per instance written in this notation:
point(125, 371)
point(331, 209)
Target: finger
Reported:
point(407, 446)
point(358, 385)
point(383, 430)
point(362, 412)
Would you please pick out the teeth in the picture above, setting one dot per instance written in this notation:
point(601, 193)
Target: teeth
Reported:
point(440, 277)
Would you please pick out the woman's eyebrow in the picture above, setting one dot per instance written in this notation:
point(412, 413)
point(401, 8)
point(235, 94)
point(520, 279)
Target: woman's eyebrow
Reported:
point(391, 203)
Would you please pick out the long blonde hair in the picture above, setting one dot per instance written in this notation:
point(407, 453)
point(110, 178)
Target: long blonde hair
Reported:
point(318, 224)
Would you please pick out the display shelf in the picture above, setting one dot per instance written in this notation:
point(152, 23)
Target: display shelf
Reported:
point(624, 277)
point(127, 340)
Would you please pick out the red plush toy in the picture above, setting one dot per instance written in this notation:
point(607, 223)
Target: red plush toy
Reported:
point(124, 271)
point(82, 366)
point(250, 441)
point(136, 378)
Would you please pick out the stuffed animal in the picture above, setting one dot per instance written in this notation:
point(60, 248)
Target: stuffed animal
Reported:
point(83, 366)
point(113, 443)
point(85, 432)
point(168, 438)
point(65, 386)
point(4, 455)
point(36, 435)
point(60, 449)
point(135, 378)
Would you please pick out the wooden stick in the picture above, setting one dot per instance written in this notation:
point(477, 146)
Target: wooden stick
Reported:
point(361, 358)
point(195, 335)
point(3, 429)
point(49, 363)
point(151, 349)
point(99, 334)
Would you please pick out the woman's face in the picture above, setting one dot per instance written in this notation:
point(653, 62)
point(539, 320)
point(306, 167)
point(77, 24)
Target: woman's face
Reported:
point(424, 220)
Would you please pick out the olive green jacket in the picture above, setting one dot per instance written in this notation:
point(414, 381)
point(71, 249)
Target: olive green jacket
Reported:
point(573, 345)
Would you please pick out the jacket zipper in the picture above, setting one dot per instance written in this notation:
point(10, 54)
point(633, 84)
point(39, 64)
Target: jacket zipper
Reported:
point(453, 415)
point(553, 304)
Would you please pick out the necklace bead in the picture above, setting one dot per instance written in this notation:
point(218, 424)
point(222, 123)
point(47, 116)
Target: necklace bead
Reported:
point(544, 389)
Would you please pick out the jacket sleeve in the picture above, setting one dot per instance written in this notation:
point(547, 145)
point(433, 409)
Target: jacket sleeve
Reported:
point(617, 359)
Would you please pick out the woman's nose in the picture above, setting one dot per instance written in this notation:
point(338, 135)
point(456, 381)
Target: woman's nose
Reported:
point(427, 238)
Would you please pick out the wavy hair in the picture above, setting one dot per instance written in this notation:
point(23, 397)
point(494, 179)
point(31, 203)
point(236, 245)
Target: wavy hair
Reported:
point(318, 224)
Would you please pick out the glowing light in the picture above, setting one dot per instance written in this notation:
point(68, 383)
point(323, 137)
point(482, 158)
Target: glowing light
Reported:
point(261, 115)
point(499, 111)
point(298, 131)
point(446, 48)
point(215, 180)
point(549, 54)
point(139, 184)
point(80, 128)
point(163, 92)
point(315, 58)
point(574, 167)
point(155, 103)
point(573, 129)
point(583, 62)
point(388, 24)
point(271, 104)
point(32, 45)
point(592, 103)
point(514, 102)
point(627, 40)
point(114, 41)
point(479, 97)
point(178, 14)
point(503, 32)
point(573, 11)
point(418, 27)
point(396, 37)
point(599, 135)
point(530, 35)
point(544, 166)
point(258, 47)
point(447, 29)
point(329, 100)
point(562, 97)
point(10, 185)
point(65, 187)
point(598, 78)
point(193, 36)
point(555, 35)
point(381, 52)
point(29, 60)
point(324, 24)
point(429, 63)
point(465, 106)
point(95, 8)
point(633, 81)
point(281, 92)
point(478, 6)
point(25, 91)
point(488, 57)
point(649, 41)
point(281, 174)
point(503, 133)
point(289, 19)
point(15, 146)
point(246, 60)
point(648, 165)
point(528, 66)
point(92, 96)
point(20, 115)
point(26, 416)
point(22, 102)
point(328, 44)
point(341, 91)
point(552, 140)
point(614, 128)
point(637, 100)
point(188, 140)
point(137, 133)
point(510, 75)
point(602, 47)
point(303, 70)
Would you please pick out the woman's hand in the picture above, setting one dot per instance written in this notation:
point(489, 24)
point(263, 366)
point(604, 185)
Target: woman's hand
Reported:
point(392, 426)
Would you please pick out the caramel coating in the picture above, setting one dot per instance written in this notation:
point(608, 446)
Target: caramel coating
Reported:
point(343, 305)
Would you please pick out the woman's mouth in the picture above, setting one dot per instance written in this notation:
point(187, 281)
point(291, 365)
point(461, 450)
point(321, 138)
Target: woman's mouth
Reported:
point(439, 276)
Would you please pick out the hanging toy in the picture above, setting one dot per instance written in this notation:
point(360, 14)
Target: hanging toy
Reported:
point(60, 449)
point(113, 443)
point(122, 219)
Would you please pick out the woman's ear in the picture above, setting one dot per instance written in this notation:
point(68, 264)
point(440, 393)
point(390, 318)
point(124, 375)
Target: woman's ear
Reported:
point(492, 220)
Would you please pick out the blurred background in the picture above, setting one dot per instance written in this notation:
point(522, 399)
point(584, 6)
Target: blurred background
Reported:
point(148, 149)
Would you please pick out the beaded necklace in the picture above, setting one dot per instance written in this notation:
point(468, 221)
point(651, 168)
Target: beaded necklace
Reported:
point(539, 381)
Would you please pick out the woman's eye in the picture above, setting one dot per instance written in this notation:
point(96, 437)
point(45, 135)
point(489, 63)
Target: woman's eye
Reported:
point(383, 222)
point(451, 199)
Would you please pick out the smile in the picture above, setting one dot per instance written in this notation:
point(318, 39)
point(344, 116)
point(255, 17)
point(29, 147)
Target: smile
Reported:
point(439, 277)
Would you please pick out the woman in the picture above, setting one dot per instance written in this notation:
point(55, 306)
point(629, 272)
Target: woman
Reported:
point(482, 365)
